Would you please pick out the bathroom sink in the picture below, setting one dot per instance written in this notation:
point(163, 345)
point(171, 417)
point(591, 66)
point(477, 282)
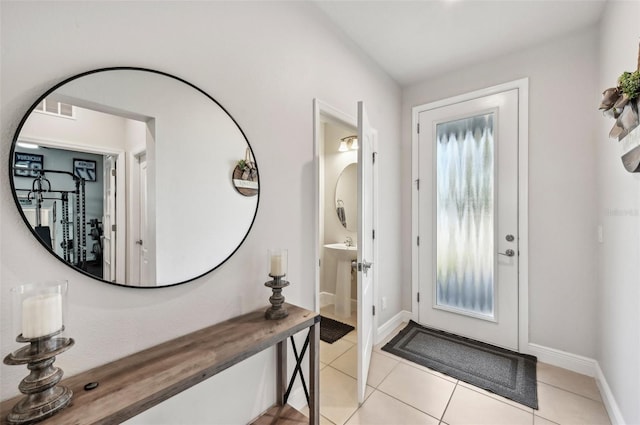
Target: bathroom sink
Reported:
point(345, 255)
point(342, 251)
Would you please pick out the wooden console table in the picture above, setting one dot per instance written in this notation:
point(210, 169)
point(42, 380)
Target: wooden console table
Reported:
point(135, 383)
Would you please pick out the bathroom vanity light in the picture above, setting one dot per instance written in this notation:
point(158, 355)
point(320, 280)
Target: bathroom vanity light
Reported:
point(348, 143)
point(277, 262)
point(38, 319)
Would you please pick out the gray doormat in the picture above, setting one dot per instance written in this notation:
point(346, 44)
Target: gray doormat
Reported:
point(503, 372)
point(332, 330)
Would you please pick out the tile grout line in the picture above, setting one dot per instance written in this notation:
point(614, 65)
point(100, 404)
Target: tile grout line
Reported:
point(338, 370)
point(572, 392)
point(524, 407)
point(387, 375)
point(341, 354)
point(448, 402)
point(359, 406)
point(409, 405)
point(347, 350)
point(328, 420)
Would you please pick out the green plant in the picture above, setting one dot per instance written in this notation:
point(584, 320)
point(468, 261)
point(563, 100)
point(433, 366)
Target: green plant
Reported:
point(242, 164)
point(630, 84)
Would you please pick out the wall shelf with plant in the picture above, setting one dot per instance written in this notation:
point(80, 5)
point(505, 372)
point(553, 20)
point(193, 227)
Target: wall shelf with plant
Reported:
point(622, 104)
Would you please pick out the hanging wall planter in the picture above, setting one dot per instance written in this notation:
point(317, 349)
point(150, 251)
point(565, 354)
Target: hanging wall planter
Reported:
point(631, 151)
point(622, 103)
point(245, 176)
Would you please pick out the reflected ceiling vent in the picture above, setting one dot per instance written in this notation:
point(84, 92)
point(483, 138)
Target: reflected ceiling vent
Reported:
point(59, 109)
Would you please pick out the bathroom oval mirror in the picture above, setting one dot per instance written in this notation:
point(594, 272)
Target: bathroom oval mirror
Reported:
point(346, 198)
point(125, 174)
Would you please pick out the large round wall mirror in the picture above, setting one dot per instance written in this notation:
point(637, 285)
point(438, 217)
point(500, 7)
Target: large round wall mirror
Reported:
point(347, 197)
point(127, 175)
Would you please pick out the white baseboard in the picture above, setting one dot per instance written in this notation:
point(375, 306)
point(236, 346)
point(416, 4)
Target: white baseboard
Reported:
point(563, 359)
point(585, 366)
point(390, 325)
point(327, 298)
point(615, 415)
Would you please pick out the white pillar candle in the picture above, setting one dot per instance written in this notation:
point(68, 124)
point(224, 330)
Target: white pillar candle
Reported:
point(276, 265)
point(41, 315)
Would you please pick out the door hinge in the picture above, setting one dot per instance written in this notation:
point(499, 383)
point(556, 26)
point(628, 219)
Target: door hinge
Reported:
point(418, 128)
point(374, 310)
point(417, 184)
point(418, 241)
point(113, 227)
point(374, 154)
point(373, 234)
point(418, 297)
point(113, 172)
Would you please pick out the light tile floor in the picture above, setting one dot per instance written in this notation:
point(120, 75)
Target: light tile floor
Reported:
point(401, 392)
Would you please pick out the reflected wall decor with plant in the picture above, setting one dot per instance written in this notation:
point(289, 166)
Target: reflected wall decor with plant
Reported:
point(622, 104)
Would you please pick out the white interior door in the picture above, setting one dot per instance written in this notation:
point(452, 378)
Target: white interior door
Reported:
point(143, 241)
point(366, 268)
point(468, 218)
point(109, 220)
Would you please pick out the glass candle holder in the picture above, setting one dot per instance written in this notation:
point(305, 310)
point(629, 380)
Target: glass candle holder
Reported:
point(277, 259)
point(40, 309)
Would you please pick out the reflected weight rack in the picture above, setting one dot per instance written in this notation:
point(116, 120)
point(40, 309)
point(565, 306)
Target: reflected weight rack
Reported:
point(73, 251)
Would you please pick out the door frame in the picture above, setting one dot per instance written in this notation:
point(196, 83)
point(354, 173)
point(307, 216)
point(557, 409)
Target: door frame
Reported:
point(321, 108)
point(522, 85)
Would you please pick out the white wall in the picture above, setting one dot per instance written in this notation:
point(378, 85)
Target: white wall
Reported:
point(87, 128)
point(618, 211)
point(245, 55)
point(562, 199)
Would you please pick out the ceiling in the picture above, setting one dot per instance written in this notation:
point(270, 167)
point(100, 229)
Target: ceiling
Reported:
point(416, 40)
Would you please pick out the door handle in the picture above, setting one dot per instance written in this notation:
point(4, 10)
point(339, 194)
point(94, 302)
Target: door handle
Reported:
point(508, 253)
point(364, 266)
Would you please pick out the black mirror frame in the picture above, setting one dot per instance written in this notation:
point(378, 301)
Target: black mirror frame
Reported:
point(120, 68)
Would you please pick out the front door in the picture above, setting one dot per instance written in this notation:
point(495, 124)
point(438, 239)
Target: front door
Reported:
point(468, 218)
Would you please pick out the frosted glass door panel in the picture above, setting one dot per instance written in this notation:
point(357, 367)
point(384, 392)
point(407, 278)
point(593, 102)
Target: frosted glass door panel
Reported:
point(465, 215)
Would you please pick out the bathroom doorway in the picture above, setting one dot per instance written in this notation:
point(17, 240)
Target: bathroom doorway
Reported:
point(346, 206)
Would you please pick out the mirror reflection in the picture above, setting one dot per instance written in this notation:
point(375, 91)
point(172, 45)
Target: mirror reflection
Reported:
point(346, 198)
point(131, 176)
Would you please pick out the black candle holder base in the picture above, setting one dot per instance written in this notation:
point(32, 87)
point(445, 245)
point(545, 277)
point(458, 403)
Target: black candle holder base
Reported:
point(36, 407)
point(43, 397)
point(277, 310)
